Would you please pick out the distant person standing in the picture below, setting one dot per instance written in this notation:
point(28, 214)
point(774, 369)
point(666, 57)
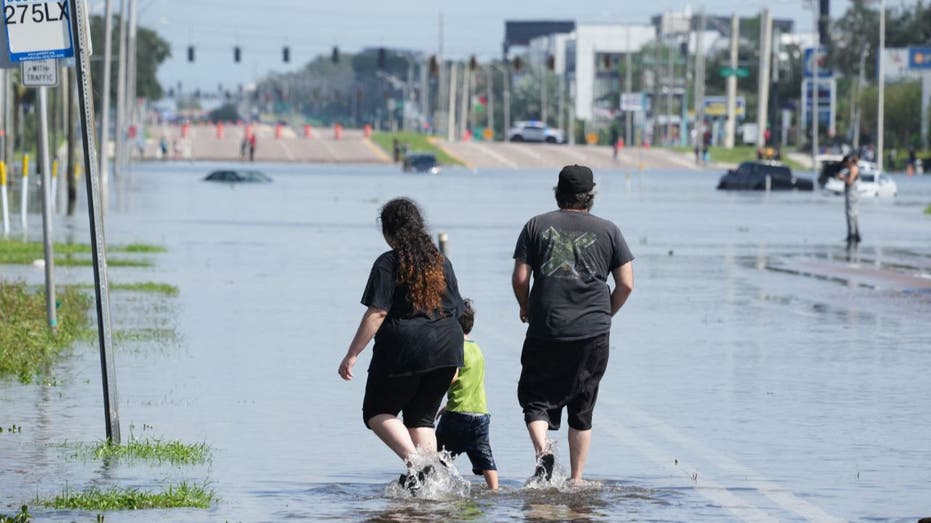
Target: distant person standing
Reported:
point(850, 175)
point(244, 148)
point(253, 141)
point(569, 254)
point(912, 162)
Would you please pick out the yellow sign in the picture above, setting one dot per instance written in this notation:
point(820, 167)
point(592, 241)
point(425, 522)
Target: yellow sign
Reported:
point(488, 134)
point(591, 138)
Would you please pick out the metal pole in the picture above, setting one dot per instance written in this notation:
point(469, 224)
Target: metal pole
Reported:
point(131, 95)
point(628, 75)
point(881, 99)
point(105, 94)
point(561, 99)
point(815, 95)
point(98, 246)
point(119, 129)
point(443, 240)
point(861, 79)
point(490, 93)
point(543, 75)
point(451, 118)
point(8, 111)
point(72, 156)
point(670, 85)
point(766, 39)
point(730, 126)
point(464, 102)
point(507, 100)
point(45, 163)
point(700, 86)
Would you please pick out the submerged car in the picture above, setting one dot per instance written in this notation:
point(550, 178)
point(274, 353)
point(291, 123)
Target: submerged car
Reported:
point(238, 176)
point(763, 175)
point(872, 182)
point(421, 163)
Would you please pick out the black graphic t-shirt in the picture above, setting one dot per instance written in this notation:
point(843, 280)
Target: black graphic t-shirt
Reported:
point(571, 254)
point(410, 342)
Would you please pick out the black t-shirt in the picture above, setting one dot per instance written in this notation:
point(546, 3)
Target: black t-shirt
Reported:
point(411, 342)
point(571, 254)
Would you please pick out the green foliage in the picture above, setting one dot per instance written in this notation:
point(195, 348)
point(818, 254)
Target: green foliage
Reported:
point(147, 287)
point(23, 516)
point(225, 113)
point(902, 118)
point(152, 51)
point(154, 450)
point(27, 346)
point(17, 252)
point(416, 143)
point(118, 498)
point(928, 209)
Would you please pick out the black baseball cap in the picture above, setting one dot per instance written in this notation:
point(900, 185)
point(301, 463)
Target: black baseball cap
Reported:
point(575, 179)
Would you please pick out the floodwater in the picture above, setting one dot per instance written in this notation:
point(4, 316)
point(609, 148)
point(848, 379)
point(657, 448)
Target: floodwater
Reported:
point(759, 371)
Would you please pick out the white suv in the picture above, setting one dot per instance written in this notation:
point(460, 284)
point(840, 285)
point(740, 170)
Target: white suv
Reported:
point(533, 131)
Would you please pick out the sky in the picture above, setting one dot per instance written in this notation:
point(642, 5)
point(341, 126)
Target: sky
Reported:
point(312, 27)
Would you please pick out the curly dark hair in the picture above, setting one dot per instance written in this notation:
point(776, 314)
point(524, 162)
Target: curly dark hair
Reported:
point(420, 264)
point(467, 317)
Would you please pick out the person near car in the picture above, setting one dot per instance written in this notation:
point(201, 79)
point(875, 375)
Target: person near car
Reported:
point(567, 254)
point(850, 175)
point(912, 162)
point(413, 305)
point(253, 142)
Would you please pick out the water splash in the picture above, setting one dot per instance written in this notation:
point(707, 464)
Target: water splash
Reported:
point(431, 476)
point(559, 476)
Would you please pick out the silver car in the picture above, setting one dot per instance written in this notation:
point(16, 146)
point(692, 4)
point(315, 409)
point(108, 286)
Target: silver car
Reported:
point(533, 131)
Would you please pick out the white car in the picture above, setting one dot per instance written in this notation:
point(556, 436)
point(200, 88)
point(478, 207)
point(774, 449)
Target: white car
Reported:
point(872, 182)
point(533, 131)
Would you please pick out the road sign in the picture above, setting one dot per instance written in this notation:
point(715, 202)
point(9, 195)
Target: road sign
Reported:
point(919, 57)
point(37, 29)
point(739, 72)
point(716, 106)
point(632, 102)
point(823, 70)
point(40, 73)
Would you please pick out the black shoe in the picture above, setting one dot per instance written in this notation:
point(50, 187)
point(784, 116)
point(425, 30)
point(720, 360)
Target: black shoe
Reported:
point(544, 470)
point(413, 481)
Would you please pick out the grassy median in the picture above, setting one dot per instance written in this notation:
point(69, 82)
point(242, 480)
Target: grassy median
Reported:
point(16, 252)
point(416, 142)
point(27, 346)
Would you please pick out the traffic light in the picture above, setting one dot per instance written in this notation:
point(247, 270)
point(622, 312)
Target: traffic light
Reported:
point(286, 54)
point(335, 56)
point(473, 64)
point(551, 62)
point(190, 53)
point(237, 54)
point(434, 66)
point(381, 57)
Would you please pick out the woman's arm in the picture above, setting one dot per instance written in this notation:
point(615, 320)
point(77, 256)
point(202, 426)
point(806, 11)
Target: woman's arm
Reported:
point(371, 322)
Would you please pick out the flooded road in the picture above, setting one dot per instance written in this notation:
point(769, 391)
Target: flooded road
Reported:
point(759, 371)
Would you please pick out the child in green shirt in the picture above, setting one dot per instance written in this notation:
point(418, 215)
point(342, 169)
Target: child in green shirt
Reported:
point(465, 419)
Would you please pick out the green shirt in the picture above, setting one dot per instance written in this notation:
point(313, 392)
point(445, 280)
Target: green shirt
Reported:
point(467, 394)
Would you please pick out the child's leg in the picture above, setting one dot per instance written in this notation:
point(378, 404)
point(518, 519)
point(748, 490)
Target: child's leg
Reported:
point(491, 478)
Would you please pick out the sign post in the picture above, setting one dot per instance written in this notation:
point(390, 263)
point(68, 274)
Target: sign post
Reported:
point(47, 208)
point(79, 29)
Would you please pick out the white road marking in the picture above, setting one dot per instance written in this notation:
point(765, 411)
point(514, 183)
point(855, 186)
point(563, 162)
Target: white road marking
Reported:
point(777, 494)
point(704, 485)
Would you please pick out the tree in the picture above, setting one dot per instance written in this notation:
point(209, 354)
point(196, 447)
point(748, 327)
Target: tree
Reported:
point(902, 119)
point(151, 51)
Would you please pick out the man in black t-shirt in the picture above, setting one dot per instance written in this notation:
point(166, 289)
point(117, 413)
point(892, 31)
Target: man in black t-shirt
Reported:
point(569, 253)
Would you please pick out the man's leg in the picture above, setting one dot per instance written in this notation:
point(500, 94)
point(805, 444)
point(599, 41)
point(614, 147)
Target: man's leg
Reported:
point(579, 443)
point(537, 430)
point(392, 431)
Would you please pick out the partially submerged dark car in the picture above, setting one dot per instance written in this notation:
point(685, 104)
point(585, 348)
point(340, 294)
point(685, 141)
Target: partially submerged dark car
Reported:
point(238, 176)
point(421, 163)
point(763, 175)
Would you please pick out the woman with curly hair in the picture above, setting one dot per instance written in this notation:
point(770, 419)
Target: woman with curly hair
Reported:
point(413, 309)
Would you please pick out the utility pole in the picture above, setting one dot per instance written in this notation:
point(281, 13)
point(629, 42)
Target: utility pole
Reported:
point(766, 39)
point(543, 75)
point(730, 127)
point(507, 100)
point(121, 91)
point(628, 74)
point(131, 55)
point(815, 95)
point(490, 93)
point(700, 84)
point(464, 102)
point(451, 118)
point(881, 101)
point(105, 94)
point(861, 79)
point(670, 86)
point(47, 196)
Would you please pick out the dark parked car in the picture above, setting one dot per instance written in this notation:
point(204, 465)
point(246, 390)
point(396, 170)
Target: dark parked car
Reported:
point(238, 176)
point(752, 176)
point(421, 163)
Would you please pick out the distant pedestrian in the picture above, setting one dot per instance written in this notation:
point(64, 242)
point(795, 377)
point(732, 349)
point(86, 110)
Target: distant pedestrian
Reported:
point(850, 175)
point(464, 423)
point(163, 147)
point(912, 162)
point(253, 142)
point(244, 148)
point(413, 302)
point(569, 254)
point(614, 141)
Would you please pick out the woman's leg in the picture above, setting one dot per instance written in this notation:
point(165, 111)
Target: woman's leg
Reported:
point(424, 438)
point(420, 412)
point(392, 431)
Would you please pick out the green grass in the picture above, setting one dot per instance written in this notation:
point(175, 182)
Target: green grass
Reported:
point(740, 153)
point(23, 516)
point(172, 452)
point(146, 287)
point(928, 210)
point(119, 498)
point(16, 252)
point(416, 143)
point(27, 346)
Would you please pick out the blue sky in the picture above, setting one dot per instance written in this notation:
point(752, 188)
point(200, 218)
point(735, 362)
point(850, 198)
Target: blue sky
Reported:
point(310, 27)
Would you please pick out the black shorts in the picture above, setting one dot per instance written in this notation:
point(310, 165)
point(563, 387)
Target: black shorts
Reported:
point(467, 433)
point(418, 397)
point(557, 374)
